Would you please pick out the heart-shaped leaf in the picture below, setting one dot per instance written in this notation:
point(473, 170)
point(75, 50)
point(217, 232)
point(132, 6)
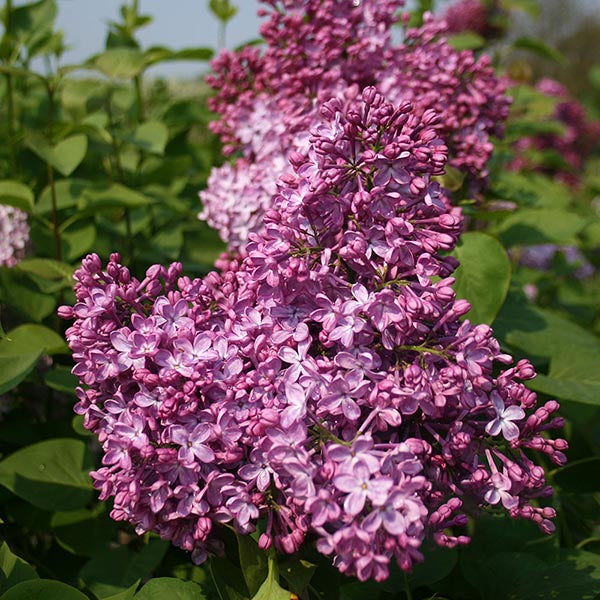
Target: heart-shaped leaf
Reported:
point(121, 63)
point(65, 157)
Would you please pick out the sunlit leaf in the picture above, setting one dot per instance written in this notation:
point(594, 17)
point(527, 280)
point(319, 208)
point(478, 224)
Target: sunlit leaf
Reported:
point(52, 474)
point(483, 276)
point(121, 63)
point(16, 194)
point(65, 156)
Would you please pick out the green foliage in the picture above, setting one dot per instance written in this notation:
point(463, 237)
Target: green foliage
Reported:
point(483, 276)
point(52, 475)
point(13, 570)
point(165, 587)
point(113, 160)
point(223, 9)
point(43, 589)
point(16, 194)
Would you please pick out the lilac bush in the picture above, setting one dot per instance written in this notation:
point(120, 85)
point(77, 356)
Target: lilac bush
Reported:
point(14, 235)
point(315, 50)
point(325, 383)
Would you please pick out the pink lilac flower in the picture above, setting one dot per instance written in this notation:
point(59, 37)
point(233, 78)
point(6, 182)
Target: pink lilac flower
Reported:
point(333, 392)
point(14, 235)
point(315, 50)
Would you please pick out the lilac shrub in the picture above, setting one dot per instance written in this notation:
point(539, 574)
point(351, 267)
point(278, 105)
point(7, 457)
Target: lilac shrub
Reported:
point(315, 50)
point(14, 235)
point(325, 383)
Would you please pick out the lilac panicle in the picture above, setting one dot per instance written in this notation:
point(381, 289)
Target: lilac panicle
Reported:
point(319, 49)
point(14, 235)
point(325, 383)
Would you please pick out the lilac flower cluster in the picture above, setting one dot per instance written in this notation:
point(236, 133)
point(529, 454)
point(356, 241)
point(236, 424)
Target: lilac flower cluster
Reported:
point(14, 235)
point(572, 146)
point(484, 17)
point(325, 383)
point(462, 89)
point(466, 15)
point(542, 256)
point(319, 49)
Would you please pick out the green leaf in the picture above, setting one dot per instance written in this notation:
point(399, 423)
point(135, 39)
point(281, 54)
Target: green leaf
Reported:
point(253, 562)
point(69, 194)
point(18, 291)
point(151, 137)
point(298, 574)
point(228, 580)
point(270, 589)
point(13, 569)
point(43, 589)
point(83, 532)
point(529, 227)
point(222, 9)
point(466, 41)
point(162, 588)
point(29, 338)
point(531, 7)
point(13, 369)
point(115, 196)
point(121, 63)
point(78, 239)
point(112, 571)
point(576, 577)
point(16, 194)
point(438, 564)
point(594, 77)
point(65, 157)
point(573, 375)
point(21, 349)
point(30, 23)
point(579, 477)
point(192, 54)
point(483, 276)
point(540, 332)
point(538, 47)
point(127, 594)
point(62, 380)
point(52, 475)
point(48, 269)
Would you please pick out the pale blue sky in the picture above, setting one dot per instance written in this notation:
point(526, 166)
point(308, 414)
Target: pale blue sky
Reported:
point(177, 24)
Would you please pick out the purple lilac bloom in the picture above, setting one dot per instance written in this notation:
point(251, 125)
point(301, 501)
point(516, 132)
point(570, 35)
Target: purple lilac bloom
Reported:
point(318, 49)
point(14, 235)
point(326, 380)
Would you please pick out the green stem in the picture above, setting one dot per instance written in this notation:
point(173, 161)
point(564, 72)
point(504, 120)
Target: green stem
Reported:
point(423, 350)
point(55, 224)
point(116, 150)
point(119, 169)
point(51, 183)
point(409, 595)
point(137, 83)
point(221, 38)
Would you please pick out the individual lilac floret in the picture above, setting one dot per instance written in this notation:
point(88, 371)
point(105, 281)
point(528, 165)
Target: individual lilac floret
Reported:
point(14, 235)
point(325, 384)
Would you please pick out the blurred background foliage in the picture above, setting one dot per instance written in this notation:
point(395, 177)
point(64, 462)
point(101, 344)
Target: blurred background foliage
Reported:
point(104, 158)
